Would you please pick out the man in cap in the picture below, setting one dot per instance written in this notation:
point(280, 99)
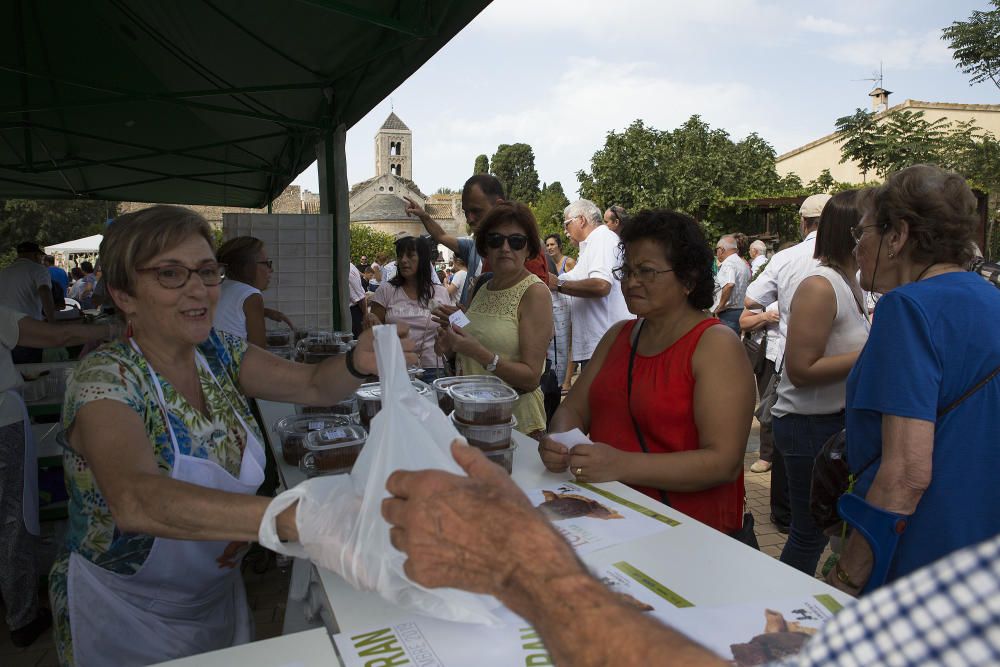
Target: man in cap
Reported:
point(26, 286)
point(777, 283)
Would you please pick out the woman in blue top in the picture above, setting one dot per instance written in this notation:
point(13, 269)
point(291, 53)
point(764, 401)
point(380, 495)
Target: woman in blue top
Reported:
point(930, 343)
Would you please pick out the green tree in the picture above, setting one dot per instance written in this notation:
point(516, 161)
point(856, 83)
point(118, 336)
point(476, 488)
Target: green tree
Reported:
point(858, 135)
point(368, 241)
point(48, 222)
point(482, 165)
point(548, 211)
point(822, 183)
point(976, 44)
point(685, 169)
point(514, 165)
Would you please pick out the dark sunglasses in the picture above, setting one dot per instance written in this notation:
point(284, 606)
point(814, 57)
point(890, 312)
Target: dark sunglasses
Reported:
point(515, 241)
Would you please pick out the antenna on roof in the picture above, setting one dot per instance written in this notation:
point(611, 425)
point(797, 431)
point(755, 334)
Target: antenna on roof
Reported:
point(879, 95)
point(391, 108)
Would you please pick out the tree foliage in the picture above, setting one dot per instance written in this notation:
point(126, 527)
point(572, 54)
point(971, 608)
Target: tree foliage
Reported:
point(48, 222)
point(368, 241)
point(548, 211)
point(482, 165)
point(976, 44)
point(514, 165)
point(684, 169)
point(903, 138)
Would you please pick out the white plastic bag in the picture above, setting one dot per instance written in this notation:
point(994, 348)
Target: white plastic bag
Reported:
point(339, 518)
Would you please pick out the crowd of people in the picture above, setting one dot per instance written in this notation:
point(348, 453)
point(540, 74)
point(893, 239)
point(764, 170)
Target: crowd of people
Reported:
point(641, 342)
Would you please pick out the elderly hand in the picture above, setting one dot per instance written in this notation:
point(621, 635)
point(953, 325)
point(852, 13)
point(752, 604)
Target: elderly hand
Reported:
point(555, 456)
point(597, 463)
point(441, 313)
point(771, 316)
point(364, 351)
point(477, 533)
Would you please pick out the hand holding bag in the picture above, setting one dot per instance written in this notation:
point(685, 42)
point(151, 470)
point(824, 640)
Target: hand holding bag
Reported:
point(339, 518)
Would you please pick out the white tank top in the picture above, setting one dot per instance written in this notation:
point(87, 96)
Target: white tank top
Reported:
point(229, 315)
point(849, 333)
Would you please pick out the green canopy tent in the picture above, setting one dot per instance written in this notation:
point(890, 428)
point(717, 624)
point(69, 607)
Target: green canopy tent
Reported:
point(220, 102)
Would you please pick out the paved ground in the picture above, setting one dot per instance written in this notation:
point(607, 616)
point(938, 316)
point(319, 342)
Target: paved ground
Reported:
point(267, 591)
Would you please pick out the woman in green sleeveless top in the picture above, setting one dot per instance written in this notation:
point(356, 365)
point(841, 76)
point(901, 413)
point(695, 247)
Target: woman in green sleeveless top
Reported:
point(510, 316)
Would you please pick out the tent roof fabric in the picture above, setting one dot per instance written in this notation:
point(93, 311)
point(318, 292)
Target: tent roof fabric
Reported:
point(86, 244)
point(196, 101)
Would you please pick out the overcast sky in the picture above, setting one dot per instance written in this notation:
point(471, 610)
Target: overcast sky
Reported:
point(560, 74)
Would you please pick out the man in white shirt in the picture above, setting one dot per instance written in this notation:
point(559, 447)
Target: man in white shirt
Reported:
point(598, 300)
point(730, 283)
point(758, 256)
point(26, 286)
point(358, 303)
point(777, 283)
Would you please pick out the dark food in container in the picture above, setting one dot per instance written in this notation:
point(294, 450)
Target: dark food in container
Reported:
point(370, 399)
point(292, 432)
point(487, 437)
point(442, 385)
point(333, 450)
point(503, 457)
point(483, 403)
point(278, 337)
point(348, 408)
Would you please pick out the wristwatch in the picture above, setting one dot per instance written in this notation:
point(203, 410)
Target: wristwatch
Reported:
point(492, 366)
point(560, 282)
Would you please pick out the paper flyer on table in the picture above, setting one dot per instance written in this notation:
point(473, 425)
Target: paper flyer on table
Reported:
point(430, 642)
point(592, 519)
point(747, 634)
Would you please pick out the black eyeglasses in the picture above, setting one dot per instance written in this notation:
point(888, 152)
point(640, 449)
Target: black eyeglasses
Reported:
point(858, 231)
point(515, 241)
point(175, 276)
point(644, 274)
point(269, 263)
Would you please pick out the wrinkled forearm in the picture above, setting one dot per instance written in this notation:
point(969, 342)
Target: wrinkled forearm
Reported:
point(583, 624)
point(588, 288)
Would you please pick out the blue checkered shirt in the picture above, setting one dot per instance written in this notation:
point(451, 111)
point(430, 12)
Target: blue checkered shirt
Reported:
point(945, 614)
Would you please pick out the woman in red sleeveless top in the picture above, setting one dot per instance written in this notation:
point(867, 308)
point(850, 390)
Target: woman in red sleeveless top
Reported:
point(692, 389)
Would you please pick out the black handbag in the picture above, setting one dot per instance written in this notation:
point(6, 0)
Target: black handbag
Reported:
point(832, 476)
point(744, 534)
point(756, 352)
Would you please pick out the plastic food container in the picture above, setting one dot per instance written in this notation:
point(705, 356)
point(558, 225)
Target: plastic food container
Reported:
point(442, 385)
point(370, 399)
point(332, 450)
point(292, 432)
point(488, 438)
point(346, 408)
point(315, 349)
point(279, 337)
point(503, 457)
point(483, 402)
point(35, 390)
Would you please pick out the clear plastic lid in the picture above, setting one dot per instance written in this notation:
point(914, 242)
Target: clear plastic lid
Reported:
point(372, 391)
point(310, 422)
point(482, 392)
point(335, 437)
point(443, 384)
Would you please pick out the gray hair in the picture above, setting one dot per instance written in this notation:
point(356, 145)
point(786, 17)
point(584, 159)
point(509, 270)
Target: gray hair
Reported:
point(759, 246)
point(585, 208)
point(729, 242)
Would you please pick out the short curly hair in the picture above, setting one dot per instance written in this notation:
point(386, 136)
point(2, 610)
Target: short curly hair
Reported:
point(510, 211)
point(684, 246)
point(937, 205)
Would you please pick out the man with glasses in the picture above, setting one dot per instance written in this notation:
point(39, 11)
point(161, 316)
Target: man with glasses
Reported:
point(599, 301)
point(730, 283)
point(777, 283)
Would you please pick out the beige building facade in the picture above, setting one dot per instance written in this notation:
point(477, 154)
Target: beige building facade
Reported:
point(824, 153)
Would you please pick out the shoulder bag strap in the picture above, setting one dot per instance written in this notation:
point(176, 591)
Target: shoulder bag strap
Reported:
point(635, 424)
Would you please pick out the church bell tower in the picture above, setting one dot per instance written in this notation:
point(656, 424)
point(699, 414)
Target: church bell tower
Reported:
point(394, 149)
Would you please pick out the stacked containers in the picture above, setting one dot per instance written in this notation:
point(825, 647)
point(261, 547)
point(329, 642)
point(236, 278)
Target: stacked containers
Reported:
point(292, 432)
point(484, 415)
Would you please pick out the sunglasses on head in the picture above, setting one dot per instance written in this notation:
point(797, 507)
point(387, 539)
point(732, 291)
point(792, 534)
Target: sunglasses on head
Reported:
point(515, 241)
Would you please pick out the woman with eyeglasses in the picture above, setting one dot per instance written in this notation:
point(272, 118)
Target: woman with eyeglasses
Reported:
point(510, 317)
point(409, 297)
point(827, 327)
point(164, 456)
point(666, 399)
point(241, 310)
point(923, 396)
